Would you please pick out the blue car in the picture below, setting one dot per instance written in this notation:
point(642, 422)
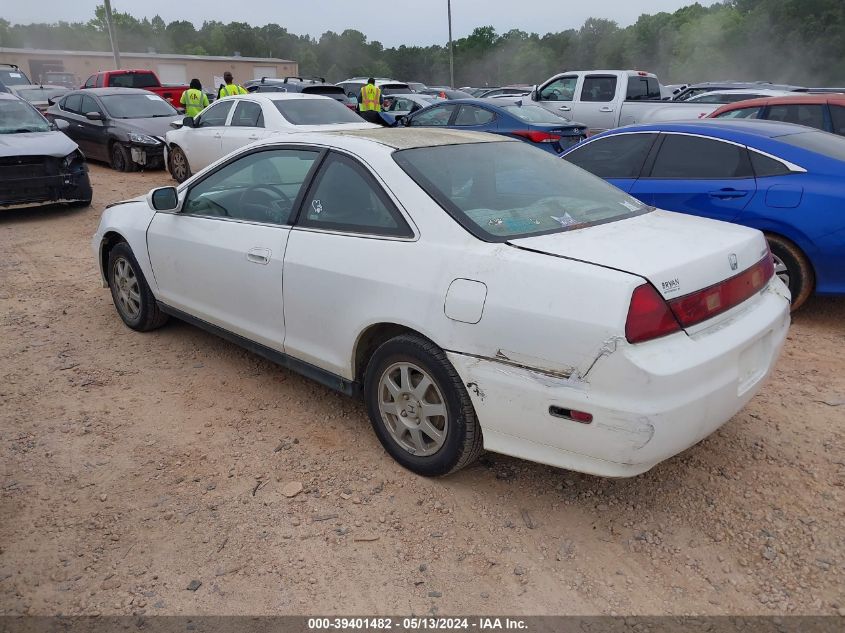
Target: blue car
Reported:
point(785, 180)
point(525, 121)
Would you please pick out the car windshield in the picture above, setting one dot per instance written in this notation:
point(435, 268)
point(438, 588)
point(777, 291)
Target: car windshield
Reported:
point(824, 143)
point(504, 190)
point(13, 77)
point(40, 94)
point(17, 117)
point(315, 111)
point(137, 106)
point(533, 114)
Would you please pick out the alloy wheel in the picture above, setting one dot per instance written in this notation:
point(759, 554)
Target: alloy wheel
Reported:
point(781, 270)
point(126, 287)
point(179, 165)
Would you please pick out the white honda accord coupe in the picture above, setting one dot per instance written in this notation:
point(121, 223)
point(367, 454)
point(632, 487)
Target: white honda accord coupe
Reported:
point(233, 122)
point(477, 292)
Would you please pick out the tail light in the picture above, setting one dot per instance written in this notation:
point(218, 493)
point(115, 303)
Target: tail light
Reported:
point(649, 316)
point(704, 304)
point(535, 136)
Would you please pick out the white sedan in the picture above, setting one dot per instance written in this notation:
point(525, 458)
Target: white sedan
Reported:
point(233, 122)
point(477, 292)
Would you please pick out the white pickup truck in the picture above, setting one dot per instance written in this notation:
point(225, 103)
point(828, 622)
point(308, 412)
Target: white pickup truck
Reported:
point(605, 99)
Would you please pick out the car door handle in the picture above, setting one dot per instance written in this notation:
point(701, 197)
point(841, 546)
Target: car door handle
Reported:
point(565, 108)
point(259, 255)
point(726, 194)
point(218, 135)
point(606, 109)
point(253, 137)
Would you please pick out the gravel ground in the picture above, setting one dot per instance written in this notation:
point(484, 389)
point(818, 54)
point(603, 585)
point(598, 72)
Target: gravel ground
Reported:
point(174, 473)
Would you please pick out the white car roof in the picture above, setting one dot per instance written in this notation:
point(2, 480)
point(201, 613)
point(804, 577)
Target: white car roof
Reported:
point(393, 138)
point(277, 96)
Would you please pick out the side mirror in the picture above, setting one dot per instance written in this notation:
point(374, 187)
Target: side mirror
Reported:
point(94, 116)
point(399, 120)
point(535, 93)
point(61, 125)
point(164, 199)
point(188, 121)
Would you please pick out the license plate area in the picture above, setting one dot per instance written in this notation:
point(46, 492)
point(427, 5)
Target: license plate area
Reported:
point(753, 362)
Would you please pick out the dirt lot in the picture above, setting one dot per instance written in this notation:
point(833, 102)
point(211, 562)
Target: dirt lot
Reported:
point(134, 464)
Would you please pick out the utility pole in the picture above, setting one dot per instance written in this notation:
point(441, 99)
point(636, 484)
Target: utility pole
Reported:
point(451, 54)
point(112, 34)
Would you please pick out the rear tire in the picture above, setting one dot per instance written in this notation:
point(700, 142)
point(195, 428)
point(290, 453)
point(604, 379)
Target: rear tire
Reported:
point(121, 158)
point(130, 292)
point(793, 268)
point(419, 407)
point(178, 165)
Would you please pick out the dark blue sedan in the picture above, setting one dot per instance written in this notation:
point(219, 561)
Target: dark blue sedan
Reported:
point(785, 180)
point(525, 121)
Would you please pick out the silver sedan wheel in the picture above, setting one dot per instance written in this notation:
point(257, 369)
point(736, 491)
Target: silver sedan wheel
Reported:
point(781, 270)
point(413, 409)
point(179, 165)
point(127, 290)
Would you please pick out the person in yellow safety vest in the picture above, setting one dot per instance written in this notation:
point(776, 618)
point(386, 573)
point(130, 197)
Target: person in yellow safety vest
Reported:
point(230, 88)
point(369, 102)
point(194, 99)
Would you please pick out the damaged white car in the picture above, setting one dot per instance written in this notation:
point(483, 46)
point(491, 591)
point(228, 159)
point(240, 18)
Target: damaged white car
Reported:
point(477, 292)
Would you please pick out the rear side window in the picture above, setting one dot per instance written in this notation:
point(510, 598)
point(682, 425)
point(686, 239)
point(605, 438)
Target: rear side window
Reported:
point(837, 116)
point(740, 113)
point(89, 83)
point(696, 158)
point(248, 114)
point(765, 166)
point(642, 88)
point(73, 104)
point(618, 156)
point(101, 80)
point(215, 115)
point(89, 105)
point(799, 113)
point(473, 115)
point(598, 88)
point(346, 198)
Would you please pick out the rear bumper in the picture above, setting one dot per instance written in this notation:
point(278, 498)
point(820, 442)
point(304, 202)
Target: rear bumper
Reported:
point(648, 401)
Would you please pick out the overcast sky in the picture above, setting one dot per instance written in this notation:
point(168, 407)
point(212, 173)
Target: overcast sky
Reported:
point(392, 22)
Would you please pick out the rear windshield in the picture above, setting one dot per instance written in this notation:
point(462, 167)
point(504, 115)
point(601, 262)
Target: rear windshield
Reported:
point(13, 77)
point(40, 94)
point(133, 80)
point(137, 106)
point(642, 88)
point(500, 191)
point(824, 143)
point(534, 114)
point(17, 117)
point(328, 91)
point(315, 111)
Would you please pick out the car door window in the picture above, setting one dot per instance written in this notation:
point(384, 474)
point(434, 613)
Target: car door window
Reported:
point(765, 166)
point(642, 88)
point(89, 105)
point(598, 88)
point(618, 156)
point(696, 158)
point(346, 198)
point(259, 187)
point(437, 116)
point(801, 113)
point(562, 89)
point(73, 104)
point(89, 83)
point(837, 117)
point(401, 105)
point(473, 115)
point(741, 113)
point(215, 116)
point(248, 114)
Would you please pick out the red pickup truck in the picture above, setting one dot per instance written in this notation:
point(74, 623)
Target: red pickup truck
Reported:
point(145, 79)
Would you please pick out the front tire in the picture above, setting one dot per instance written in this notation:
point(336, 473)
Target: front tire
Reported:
point(130, 292)
point(178, 165)
point(121, 158)
point(419, 408)
point(793, 268)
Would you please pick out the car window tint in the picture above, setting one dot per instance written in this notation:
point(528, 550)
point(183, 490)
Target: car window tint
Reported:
point(837, 115)
point(641, 88)
point(473, 115)
point(618, 156)
point(740, 113)
point(698, 158)
point(215, 115)
point(436, 116)
point(765, 166)
point(89, 83)
point(101, 79)
point(248, 114)
point(801, 113)
point(598, 88)
point(73, 104)
point(89, 105)
point(401, 105)
point(346, 198)
point(259, 187)
point(562, 89)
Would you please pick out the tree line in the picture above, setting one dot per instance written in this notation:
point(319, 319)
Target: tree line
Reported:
point(794, 41)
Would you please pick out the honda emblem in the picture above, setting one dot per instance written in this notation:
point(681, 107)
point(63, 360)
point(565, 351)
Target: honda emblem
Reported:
point(733, 262)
